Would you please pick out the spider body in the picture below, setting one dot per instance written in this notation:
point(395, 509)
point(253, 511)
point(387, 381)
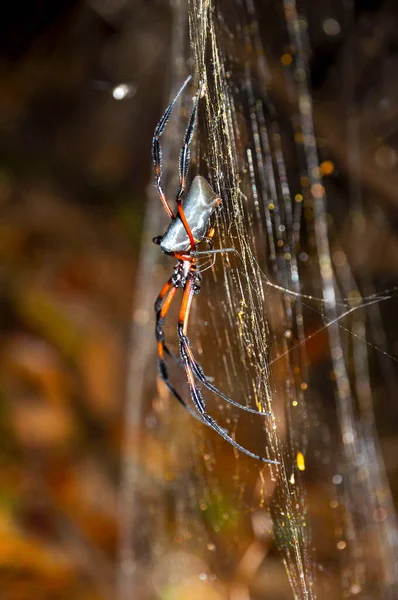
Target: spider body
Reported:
point(188, 228)
point(198, 206)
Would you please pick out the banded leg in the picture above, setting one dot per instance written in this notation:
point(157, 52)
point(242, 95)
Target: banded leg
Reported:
point(185, 154)
point(162, 306)
point(208, 239)
point(196, 368)
point(200, 376)
point(157, 150)
point(198, 371)
point(196, 394)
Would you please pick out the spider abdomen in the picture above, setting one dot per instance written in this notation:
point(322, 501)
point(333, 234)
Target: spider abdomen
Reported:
point(199, 205)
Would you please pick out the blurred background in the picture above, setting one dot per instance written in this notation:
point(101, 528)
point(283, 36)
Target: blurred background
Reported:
point(82, 86)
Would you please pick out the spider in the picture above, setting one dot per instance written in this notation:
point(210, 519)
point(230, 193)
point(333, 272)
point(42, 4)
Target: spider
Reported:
point(187, 229)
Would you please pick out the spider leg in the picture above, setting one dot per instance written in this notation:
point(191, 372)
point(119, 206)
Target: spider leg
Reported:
point(162, 306)
point(157, 150)
point(208, 239)
point(160, 300)
point(185, 154)
point(196, 368)
point(200, 375)
point(196, 394)
point(198, 371)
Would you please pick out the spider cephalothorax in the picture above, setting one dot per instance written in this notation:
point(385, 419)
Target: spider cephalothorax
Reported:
point(187, 229)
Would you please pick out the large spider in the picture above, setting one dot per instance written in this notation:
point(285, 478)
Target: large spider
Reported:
point(187, 229)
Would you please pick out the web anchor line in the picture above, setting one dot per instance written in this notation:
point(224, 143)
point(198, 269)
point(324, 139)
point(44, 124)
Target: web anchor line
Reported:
point(369, 301)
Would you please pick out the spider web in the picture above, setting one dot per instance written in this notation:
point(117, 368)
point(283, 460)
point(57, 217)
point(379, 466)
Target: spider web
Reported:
point(199, 519)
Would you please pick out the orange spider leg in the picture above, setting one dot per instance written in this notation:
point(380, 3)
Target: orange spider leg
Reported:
point(167, 293)
point(185, 223)
point(191, 369)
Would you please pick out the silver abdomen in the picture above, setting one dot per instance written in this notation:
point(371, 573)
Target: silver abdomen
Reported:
point(198, 205)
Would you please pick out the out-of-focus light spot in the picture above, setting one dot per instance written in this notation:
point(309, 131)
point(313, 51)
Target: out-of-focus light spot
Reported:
point(271, 206)
point(334, 504)
point(327, 167)
point(211, 547)
point(295, 403)
point(341, 545)
point(305, 105)
point(386, 157)
point(380, 514)
point(301, 74)
point(300, 461)
point(355, 589)
point(262, 528)
point(354, 298)
point(339, 258)
point(280, 243)
point(337, 353)
point(337, 479)
point(288, 256)
point(326, 273)
point(331, 27)
point(203, 576)
point(302, 24)
point(316, 172)
point(310, 140)
point(317, 190)
point(304, 386)
point(123, 90)
point(298, 197)
point(286, 59)
point(292, 479)
point(303, 256)
point(348, 437)
point(288, 334)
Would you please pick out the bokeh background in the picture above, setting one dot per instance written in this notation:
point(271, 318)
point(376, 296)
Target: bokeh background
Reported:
point(74, 166)
point(82, 85)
